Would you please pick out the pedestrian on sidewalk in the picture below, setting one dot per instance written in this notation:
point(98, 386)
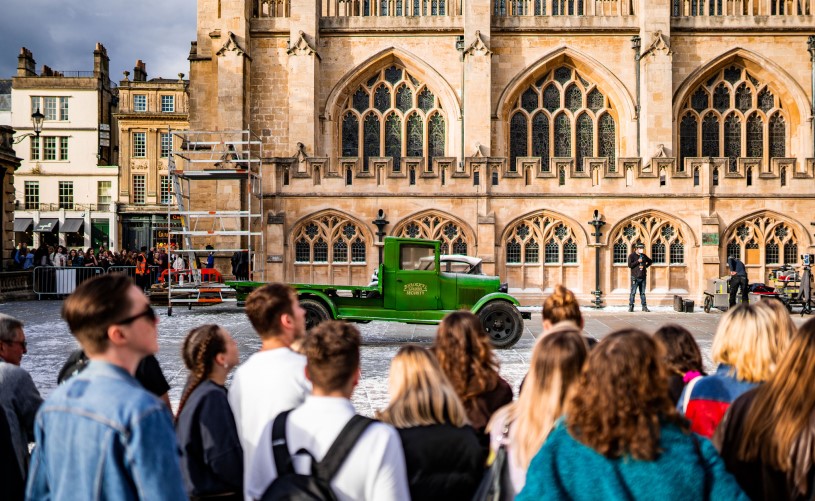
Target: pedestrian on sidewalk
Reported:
point(102, 420)
point(639, 264)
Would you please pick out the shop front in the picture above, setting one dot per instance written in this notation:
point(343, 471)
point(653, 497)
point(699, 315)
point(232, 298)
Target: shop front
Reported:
point(149, 230)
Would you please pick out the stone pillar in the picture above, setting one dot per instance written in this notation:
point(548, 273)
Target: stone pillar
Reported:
point(656, 77)
point(710, 261)
point(304, 63)
point(8, 164)
point(477, 81)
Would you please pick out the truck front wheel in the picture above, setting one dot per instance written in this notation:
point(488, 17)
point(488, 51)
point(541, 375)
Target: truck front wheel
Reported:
point(503, 323)
point(316, 312)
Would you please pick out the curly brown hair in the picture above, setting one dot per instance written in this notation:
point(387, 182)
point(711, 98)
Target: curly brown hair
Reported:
point(622, 399)
point(465, 355)
point(682, 354)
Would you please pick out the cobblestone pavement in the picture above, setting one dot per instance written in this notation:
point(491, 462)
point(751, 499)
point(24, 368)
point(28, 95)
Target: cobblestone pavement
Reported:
point(50, 342)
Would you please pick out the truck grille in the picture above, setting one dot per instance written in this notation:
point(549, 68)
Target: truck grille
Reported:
point(469, 296)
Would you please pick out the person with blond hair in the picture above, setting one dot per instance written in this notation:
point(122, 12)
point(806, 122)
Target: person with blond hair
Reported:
point(466, 357)
point(523, 426)
point(443, 456)
point(767, 436)
point(622, 438)
point(748, 343)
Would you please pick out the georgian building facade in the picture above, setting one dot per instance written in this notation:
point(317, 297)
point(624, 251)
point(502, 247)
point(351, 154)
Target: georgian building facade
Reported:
point(149, 112)
point(500, 126)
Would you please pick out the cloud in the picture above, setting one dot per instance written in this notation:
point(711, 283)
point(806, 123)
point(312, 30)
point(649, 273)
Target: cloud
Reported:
point(63, 34)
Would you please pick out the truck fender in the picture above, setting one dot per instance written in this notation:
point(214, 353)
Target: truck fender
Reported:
point(495, 296)
point(322, 297)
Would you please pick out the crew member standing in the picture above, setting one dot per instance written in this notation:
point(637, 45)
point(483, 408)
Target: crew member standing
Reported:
point(639, 263)
point(738, 279)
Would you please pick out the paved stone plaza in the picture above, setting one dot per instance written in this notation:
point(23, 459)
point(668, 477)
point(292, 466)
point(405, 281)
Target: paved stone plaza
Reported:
point(50, 342)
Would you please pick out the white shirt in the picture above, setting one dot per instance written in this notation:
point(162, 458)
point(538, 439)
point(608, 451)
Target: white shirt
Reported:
point(268, 383)
point(374, 470)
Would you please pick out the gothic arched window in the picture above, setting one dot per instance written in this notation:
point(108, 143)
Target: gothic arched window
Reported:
point(325, 240)
point(749, 237)
point(395, 115)
point(432, 225)
point(729, 115)
point(562, 115)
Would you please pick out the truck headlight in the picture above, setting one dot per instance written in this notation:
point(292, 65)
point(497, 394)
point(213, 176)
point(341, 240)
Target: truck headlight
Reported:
point(504, 287)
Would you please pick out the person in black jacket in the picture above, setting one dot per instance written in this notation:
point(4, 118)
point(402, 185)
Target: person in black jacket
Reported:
point(443, 454)
point(639, 263)
point(738, 280)
point(211, 453)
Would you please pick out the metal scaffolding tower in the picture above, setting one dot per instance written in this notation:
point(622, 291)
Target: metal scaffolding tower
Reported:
point(234, 158)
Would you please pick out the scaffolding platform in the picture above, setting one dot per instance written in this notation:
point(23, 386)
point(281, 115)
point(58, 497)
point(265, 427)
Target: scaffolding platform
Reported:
point(221, 156)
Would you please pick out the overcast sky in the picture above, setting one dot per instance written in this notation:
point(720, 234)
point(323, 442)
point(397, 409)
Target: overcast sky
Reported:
point(63, 33)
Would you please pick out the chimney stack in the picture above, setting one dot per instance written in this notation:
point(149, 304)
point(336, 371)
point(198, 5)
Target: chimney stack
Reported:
point(26, 64)
point(140, 71)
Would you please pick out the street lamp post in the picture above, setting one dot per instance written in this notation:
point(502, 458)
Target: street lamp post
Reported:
point(36, 119)
point(380, 223)
point(598, 223)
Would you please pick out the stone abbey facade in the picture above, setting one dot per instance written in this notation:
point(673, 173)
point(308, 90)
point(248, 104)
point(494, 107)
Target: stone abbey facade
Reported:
point(500, 126)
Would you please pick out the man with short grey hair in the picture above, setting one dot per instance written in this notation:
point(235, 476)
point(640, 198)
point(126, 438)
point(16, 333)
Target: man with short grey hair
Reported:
point(19, 398)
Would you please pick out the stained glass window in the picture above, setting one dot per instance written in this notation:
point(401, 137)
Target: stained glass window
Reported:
point(732, 74)
point(563, 136)
point(415, 136)
point(320, 251)
point(435, 139)
point(371, 137)
point(771, 253)
point(350, 135)
point(732, 140)
point(529, 100)
point(688, 138)
point(513, 251)
point(570, 252)
point(574, 98)
point(531, 252)
point(778, 136)
point(766, 100)
point(340, 252)
point(393, 140)
point(710, 136)
point(517, 138)
point(721, 99)
point(361, 100)
point(540, 139)
point(302, 251)
point(551, 98)
point(620, 252)
point(677, 252)
point(393, 74)
point(426, 100)
point(551, 252)
point(744, 98)
point(790, 253)
point(755, 136)
point(699, 101)
point(563, 75)
point(404, 98)
point(585, 140)
point(658, 252)
point(595, 100)
point(382, 98)
point(607, 131)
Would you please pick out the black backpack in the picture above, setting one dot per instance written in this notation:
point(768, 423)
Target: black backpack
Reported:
point(292, 486)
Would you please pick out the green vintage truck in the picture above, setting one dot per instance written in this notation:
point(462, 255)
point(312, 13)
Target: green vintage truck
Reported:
point(408, 289)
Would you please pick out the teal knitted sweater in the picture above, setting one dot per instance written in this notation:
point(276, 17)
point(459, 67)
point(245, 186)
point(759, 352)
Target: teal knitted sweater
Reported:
point(566, 469)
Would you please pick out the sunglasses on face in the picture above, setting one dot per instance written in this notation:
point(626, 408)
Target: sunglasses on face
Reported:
point(149, 313)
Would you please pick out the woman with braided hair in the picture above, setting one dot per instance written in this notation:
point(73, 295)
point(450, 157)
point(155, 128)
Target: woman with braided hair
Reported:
point(211, 454)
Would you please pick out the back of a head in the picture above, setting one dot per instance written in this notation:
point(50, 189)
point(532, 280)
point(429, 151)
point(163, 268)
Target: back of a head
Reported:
point(8, 328)
point(782, 410)
point(623, 372)
point(751, 338)
point(463, 348)
point(562, 305)
point(95, 305)
point(332, 354)
point(421, 394)
point(682, 354)
point(556, 365)
point(265, 306)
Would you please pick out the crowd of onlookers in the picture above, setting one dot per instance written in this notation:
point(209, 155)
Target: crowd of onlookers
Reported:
point(633, 416)
point(25, 258)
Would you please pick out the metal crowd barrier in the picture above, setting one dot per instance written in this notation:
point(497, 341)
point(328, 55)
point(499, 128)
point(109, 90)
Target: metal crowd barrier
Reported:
point(61, 281)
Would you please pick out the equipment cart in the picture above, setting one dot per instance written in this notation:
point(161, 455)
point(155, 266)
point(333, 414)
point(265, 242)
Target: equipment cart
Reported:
point(717, 294)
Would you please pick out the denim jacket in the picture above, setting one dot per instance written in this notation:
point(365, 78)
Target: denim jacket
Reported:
point(102, 436)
